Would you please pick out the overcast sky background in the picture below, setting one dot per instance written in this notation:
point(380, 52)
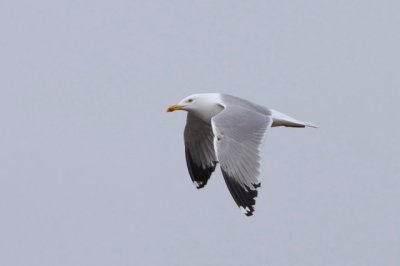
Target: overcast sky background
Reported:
point(92, 168)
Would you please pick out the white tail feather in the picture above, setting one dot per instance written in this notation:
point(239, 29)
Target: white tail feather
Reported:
point(280, 119)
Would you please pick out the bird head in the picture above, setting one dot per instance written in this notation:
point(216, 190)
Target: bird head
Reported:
point(205, 105)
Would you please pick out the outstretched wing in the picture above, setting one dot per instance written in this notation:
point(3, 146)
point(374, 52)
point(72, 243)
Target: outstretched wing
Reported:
point(239, 133)
point(199, 150)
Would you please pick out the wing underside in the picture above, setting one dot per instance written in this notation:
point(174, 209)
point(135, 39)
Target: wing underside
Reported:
point(239, 135)
point(199, 150)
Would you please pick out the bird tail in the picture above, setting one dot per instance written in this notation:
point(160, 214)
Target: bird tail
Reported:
point(280, 119)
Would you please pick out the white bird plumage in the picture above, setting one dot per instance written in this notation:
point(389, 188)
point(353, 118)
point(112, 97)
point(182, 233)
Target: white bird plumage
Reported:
point(228, 130)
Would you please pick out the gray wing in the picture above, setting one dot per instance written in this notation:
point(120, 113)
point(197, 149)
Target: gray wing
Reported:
point(239, 135)
point(199, 150)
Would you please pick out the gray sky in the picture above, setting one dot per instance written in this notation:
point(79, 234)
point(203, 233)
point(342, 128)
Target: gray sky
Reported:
point(92, 167)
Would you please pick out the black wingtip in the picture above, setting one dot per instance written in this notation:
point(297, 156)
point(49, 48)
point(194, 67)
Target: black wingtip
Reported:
point(244, 197)
point(199, 185)
point(248, 211)
point(198, 174)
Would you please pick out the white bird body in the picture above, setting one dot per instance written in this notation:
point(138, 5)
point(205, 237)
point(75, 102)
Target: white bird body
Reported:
point(228, 130)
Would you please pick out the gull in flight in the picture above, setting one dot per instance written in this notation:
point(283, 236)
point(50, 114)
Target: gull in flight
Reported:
point(228, 130)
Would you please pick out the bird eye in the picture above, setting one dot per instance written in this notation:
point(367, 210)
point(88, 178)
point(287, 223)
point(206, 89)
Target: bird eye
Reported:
point(190, 100)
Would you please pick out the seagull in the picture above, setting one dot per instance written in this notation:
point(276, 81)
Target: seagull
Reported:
point(228, 130)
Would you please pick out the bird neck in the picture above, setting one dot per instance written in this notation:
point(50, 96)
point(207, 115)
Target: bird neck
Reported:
point(208, 112)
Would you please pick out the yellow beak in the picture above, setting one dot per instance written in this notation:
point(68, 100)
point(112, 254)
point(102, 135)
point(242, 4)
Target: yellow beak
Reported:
point(174, 108)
